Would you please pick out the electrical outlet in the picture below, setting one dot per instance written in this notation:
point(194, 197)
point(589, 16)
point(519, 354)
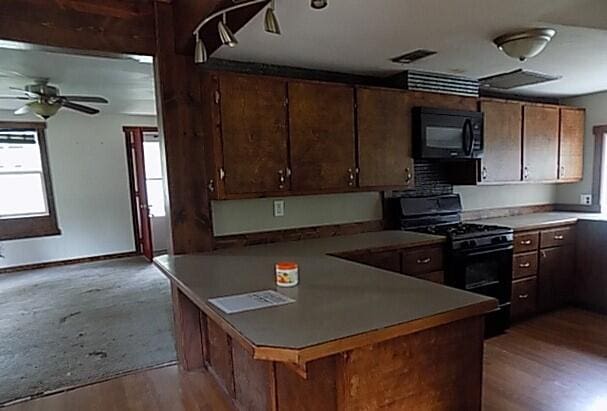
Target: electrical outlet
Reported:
point(586, 199)
point(279, 208)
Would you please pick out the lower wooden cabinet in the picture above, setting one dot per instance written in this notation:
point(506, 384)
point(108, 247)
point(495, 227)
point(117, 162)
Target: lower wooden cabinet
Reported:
point(555, 279)
point(524, 298)
point(422, 260)
point(388, 260)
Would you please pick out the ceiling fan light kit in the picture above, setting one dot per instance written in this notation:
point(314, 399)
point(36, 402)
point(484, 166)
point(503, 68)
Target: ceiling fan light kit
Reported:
point(525, 44)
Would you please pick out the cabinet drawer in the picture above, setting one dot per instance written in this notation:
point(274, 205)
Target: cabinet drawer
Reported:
point(524, 297)
point(435, 276)
point(524, 265)
point(422, 260)
point(526, 242)
point(557, 237)
point(388, 260)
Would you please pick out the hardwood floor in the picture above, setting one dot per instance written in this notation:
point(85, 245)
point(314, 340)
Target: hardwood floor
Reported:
point(554, 362)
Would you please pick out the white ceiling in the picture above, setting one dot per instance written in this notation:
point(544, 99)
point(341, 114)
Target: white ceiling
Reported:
point(360, 36)
point(125, 82)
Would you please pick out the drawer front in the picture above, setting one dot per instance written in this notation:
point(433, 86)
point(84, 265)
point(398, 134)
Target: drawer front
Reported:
point(524, 297)
point(389, 260)
point(557, 237)
point(526, 242)
point(524, 265)
point(422, 260)
point(435, 276)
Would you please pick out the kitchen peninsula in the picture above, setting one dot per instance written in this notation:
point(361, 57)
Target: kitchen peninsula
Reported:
point(356, 337)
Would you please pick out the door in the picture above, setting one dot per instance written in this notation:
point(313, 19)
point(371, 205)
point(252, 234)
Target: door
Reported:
point(385, 155)
point(571, 151)
point(321, 124)
point(139, 198)
point(254, 134)
point(540, 142)
point(501, 160)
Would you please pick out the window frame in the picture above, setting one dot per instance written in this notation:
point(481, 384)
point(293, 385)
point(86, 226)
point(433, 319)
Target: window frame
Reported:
point(33, 226)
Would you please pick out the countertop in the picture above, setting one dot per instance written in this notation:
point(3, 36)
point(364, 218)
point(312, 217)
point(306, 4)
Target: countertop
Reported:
point(538, 221)
point(335, 299)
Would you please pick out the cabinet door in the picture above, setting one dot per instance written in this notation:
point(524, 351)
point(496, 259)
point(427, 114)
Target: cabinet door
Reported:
point(503, 143)
point(254, 134)
point(384, 139)
point(555, 280)
point(571, 152)
point(321, 123)
point(540, 143)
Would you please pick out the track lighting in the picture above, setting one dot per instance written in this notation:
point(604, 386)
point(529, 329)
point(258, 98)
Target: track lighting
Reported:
point(270, 22)
point(225, 34)
point(200, 51)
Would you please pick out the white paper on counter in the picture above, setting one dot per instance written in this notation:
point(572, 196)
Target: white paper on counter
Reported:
point(250, 301)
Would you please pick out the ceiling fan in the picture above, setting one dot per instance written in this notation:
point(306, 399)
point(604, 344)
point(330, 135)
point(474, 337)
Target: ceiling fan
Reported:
point(44, 100)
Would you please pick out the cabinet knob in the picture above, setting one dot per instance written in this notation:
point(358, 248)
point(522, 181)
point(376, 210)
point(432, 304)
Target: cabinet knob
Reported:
point(281, 179)
point(562, 171)
point(211, 185)
point(408, 175)
point(558, 237)
point(525, 242)
point(525, 172)
point(351, 177)
point(523, 296)
point(484, 173)
point(524, 265)
point(424, 260)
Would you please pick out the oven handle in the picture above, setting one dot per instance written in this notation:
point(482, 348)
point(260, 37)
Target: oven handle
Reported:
point(485, 251)
point(469, 141)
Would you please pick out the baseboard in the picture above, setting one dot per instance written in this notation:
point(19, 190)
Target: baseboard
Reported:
point(506, 211)
point(67, 262)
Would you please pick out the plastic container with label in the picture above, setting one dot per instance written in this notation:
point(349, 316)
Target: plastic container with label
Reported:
point(287, 274)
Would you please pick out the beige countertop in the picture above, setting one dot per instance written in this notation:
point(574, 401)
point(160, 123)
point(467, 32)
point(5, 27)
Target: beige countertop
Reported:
point(335, 299)
point(538, 221)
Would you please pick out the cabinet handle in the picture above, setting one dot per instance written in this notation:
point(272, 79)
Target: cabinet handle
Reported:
point(424, 260)
point(211, 185)
point(523, 296)
point(484, 173)
point(281, 179)
point(222, 174)
point(526, 242)
point(562, 171)
point(351, 177)
point(408, 175)
point(525, 173)
point(558, 237)
point(524, 265)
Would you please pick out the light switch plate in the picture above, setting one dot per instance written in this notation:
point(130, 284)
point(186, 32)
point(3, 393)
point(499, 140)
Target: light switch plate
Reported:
point(279, 208)
point(586, 199)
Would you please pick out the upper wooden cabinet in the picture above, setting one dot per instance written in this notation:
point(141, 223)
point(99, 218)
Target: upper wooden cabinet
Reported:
point(540, 143)
point(254, 134)
point(501, 161)
point(571, 150)
point(384, 139)
point(321, 125)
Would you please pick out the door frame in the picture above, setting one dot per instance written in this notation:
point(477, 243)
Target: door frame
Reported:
point(142, 232)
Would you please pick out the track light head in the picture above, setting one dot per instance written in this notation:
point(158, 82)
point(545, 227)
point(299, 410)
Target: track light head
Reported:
point(270, 22)
point(225, 34)
point(200, 52)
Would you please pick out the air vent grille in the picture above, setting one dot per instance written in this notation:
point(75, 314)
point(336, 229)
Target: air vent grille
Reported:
point(437, 82)
point(515, 79)
point(412, 56)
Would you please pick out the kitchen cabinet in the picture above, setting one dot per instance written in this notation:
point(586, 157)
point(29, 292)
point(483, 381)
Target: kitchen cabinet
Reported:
point(540, 142)
point(254, 134)
point(388, 260)
point(321, 125)
point(524, 298)
point(571, 149)
point(555, 277)
point(501, 160)
point(385, 156)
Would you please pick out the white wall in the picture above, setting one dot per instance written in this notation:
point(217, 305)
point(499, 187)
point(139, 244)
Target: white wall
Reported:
point(87, 157)
point(596, 114)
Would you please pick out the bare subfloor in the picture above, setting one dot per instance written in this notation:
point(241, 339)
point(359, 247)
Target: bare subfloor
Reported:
point(75, 324)
point(554, 362)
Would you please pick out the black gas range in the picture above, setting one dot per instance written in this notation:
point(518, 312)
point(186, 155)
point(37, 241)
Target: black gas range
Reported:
point(478, 257)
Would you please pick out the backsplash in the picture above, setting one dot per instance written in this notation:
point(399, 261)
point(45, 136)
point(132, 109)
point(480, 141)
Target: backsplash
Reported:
point(431, 179)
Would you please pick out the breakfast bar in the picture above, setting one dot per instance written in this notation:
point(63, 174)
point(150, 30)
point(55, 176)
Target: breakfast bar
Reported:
point(356, 337)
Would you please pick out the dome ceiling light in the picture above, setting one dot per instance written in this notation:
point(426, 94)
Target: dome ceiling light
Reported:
point(524, 44)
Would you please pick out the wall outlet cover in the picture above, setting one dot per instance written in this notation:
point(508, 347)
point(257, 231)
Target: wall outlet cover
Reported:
point(279, 208)
point(586, 199)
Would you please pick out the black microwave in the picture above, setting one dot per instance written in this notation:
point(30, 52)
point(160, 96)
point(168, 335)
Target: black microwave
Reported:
point(447, 134)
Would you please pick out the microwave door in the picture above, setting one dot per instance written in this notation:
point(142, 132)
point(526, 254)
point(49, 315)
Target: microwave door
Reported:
point(443, 137)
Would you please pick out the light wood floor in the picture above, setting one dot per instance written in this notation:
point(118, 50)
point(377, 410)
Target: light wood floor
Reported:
point(553, 362)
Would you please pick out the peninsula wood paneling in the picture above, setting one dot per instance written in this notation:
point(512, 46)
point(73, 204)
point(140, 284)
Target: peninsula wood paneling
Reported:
point(540, 143)
point(591, 265)
point(385, 156)
point(321, 123)
point(501, 160)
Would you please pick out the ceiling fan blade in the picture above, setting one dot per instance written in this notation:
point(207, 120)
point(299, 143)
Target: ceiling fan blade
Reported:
point(79, 107)
point(21, 111)
point(14, 98)
point(87, 99)
point(28, 93)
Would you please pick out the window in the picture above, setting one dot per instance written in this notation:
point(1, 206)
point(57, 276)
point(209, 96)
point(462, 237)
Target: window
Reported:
point(153, 177)
point(26, 201)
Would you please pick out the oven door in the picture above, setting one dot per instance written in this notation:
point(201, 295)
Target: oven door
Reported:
point(487, 272)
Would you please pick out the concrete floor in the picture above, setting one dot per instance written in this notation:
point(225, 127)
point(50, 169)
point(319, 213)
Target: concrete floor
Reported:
point(70, 325)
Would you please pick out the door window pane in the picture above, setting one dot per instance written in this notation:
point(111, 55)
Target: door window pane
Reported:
point(155, 197)
point(151, 156)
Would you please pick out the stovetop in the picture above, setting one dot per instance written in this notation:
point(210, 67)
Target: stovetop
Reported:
point(464, 230)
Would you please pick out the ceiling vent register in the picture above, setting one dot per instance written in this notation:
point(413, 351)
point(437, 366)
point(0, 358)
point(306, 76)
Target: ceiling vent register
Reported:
point(515, 79)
